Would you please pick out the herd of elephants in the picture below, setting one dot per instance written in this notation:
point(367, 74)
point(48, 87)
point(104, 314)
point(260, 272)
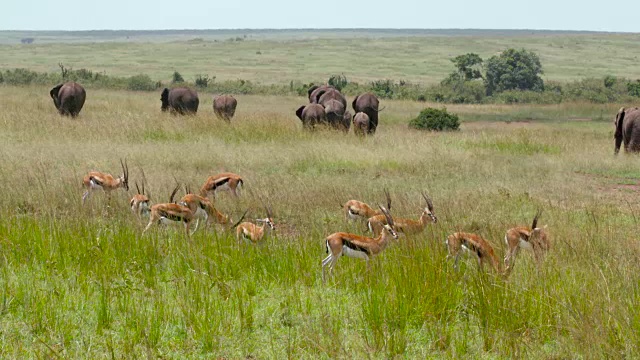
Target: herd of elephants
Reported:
point(327, 106)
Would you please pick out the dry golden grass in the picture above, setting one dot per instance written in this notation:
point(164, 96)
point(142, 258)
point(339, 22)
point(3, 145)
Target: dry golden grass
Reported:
point(81, 282)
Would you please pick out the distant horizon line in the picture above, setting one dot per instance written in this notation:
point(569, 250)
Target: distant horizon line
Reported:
point(319, 29)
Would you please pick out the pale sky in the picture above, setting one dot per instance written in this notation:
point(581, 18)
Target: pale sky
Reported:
point(595, 15)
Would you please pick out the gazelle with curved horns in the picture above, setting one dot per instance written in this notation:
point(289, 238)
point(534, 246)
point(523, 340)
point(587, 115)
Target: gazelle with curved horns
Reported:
point(474, 244)
point(254, 233)
point(141, 202)
point(170, 212)
point(354, 209)
point(356, 246)
point(532, 238)
point(96, 180)
point(222, 182)
point(406, 226)
point(202, 208)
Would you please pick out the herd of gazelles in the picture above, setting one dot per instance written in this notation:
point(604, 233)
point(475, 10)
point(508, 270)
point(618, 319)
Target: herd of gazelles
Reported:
point(380, 222)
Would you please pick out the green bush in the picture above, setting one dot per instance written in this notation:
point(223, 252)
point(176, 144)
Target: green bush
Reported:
point(633, 88)
point(177, 78)
point(141, 83)
point(338, 81)
point(435, 120)
point(202, 81)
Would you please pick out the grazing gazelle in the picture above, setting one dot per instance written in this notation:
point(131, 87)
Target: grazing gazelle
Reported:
point(170, 212)
point(533, 238)
point(406, 226)
point(221, 182)
point(479, 247)
point(96, 180)
point(253, 233)
point(357, 246)
point(202, 208)
point(355, 209)
point(141, 202)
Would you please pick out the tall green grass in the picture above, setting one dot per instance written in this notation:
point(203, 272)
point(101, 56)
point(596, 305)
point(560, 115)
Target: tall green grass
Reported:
point(81, 282)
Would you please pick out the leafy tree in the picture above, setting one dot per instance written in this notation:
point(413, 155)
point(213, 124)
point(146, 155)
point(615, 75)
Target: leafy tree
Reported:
point(468, 66)
point(513, 70)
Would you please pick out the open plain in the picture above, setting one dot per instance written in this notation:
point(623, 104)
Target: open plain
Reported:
point(81, 282)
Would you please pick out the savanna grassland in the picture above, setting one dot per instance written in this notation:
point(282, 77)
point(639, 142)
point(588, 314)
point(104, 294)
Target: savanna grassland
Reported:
point(81, 282)
point(277, 57)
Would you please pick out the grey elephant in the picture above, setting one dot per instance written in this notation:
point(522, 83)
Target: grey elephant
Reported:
point(367, 103)
point(361, 124)
point(68, 98)
point(224, 106)
point(628, 129)
point(316, 91)
point(334, 111)
point(179, 100)
point(332, 94)
point(311, 115)
point(346, 121)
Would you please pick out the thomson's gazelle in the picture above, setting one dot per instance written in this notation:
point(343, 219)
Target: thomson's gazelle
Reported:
point(357, 246)
point(254, 233)
point(354, 209)
point(96, 180)
point(532, 238)
point(406, 226)
point(474, 244)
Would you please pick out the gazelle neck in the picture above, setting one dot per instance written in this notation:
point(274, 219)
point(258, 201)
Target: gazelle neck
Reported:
point(384, 238)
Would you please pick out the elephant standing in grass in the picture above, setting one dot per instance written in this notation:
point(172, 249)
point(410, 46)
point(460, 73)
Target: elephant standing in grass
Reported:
point(361, 124)
point(346, 121)
point(628, 129)
point(310, 115)
point(368, 104)
point(224, 106)
point(68, 98)
point(334, 111)
point(179, 100)
point(315, 92)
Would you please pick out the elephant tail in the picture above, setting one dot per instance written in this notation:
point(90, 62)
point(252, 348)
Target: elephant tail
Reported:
point(373, 109)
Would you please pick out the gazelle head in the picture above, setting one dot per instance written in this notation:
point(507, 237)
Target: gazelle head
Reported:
point(124, 178)
point(539, 234)
point(140, 202)
point(389, 226)
point(428, 210)
point(268, 221)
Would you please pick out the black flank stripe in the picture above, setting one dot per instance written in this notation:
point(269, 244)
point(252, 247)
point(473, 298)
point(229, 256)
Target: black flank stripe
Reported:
point(220, 183)
point(355, 247)
point(172, 217)
point(98, 182)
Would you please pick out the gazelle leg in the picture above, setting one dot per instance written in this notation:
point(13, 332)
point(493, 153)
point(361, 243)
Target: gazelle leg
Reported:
point(510, 258)
point(148, 226)
point(334, 260)
point(325, 262)
point(85, 196)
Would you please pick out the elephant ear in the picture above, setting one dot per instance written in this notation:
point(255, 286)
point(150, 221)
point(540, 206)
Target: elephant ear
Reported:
point(619, 121)
point(299, 112)
point(54, 95)
point(164, 98)
point(311, 90)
